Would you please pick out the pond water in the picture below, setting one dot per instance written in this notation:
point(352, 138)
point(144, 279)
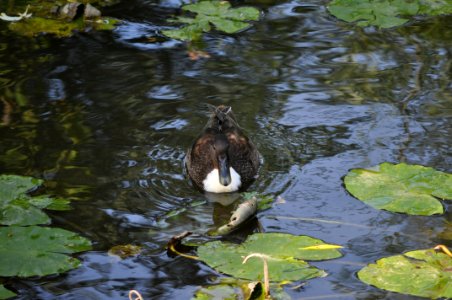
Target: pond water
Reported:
point(105, 118)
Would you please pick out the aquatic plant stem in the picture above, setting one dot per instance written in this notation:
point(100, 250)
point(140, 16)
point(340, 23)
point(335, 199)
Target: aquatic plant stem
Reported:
point(173, 249)
point(444, 249)
point(266, 275)
point(135, 293)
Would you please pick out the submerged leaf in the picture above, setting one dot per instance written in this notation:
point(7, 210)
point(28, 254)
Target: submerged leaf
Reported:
point(401, 188)
point(423, 273)
point(285, 259)
point(263, 201)
point(31, 251)
point(244, 212)
point(125, 251)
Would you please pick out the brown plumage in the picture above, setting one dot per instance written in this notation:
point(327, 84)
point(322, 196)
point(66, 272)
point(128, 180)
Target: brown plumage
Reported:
point(222, 145)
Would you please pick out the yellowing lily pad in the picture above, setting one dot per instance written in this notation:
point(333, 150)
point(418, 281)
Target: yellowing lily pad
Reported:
point(34, 250)
point(424, 273)
point(403, 188)
point(217, 13)
point(285, 255)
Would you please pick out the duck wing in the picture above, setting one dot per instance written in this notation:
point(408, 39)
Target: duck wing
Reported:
point(243, 155)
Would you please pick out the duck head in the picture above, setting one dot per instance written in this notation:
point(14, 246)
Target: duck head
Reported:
point(222, 119)
point(221, 159)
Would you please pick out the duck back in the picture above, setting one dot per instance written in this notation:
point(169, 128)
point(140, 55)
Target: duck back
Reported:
point(243, 158)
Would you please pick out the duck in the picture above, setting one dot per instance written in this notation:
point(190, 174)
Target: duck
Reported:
point(222, 159)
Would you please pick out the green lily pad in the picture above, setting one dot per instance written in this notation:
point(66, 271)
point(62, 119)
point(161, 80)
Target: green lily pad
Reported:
point(223, 291)
point(285, 252)
point(5, 293)
point(386, 13)
point(231, 288)
point(218, 13)
point(403, 188)
point(18, 208)
point(423, 273)
point(34, 250)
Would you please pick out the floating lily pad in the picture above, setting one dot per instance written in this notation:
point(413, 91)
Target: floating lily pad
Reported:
point(5, 293)
point(285, 252)
point(401, 188)
point(386, 13)
point(217, 13)
point(239, 290)
point(34, 250)
point(423, 273)
point(18, 208)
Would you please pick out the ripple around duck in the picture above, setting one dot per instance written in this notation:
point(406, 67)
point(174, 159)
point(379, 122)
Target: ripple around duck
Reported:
point(107, 118)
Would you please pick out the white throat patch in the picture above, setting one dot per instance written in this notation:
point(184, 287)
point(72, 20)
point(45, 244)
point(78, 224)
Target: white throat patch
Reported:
point(212, 182)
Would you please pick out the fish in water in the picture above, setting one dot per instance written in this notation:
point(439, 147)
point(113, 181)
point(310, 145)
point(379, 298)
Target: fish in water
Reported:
point(222, 159)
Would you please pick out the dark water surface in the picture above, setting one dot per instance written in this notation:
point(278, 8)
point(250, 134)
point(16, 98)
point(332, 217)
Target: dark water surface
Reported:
point(106, 118)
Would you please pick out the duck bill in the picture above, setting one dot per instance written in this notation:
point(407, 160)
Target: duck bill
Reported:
point(225, 174)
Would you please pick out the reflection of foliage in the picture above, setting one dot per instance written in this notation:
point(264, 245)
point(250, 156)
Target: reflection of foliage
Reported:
point(423, 273)
point(401, 188)
point(30, 141)
point(218, 13)
point(386, 13)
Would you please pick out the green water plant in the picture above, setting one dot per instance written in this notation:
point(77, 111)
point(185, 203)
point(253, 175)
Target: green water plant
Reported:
point(285, 255)
point(18, 207)
point(386, 13)
point(34, 250)
point(424, 273)
point(212, 13)
point(410, 189)
point(230, 288)
point(30, 250)
point(5, 293)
